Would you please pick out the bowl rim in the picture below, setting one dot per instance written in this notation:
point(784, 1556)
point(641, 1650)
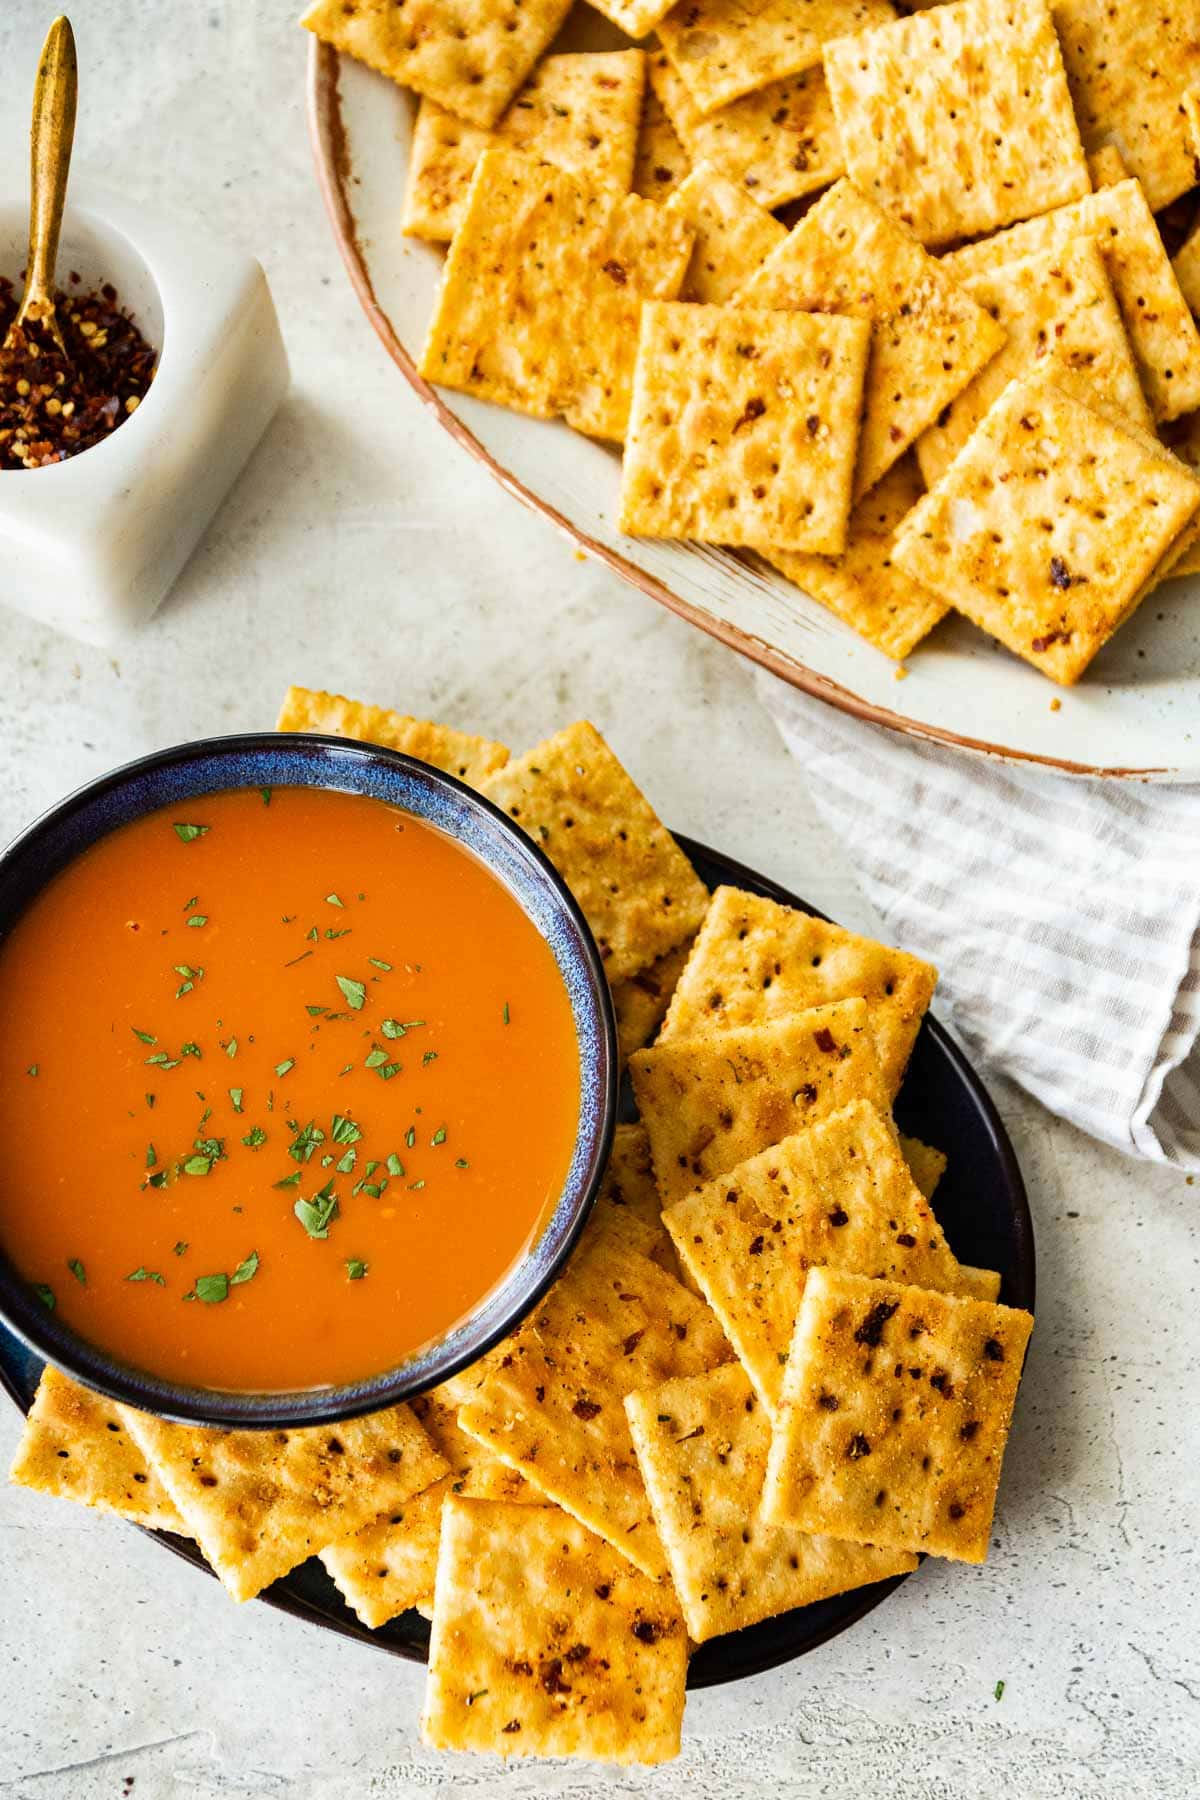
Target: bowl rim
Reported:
point(39, 1328)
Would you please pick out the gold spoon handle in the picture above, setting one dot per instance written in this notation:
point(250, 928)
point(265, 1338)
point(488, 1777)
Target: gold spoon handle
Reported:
point(51, 137)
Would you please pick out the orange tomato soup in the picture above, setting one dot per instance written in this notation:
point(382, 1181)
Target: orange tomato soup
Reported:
point(288, 1082)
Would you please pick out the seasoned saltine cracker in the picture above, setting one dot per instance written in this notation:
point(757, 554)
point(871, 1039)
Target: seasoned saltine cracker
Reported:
point(722, 49)
point(839, 1193)
point(897, 1403)
point(1161, 330)
point(638, 890)
point(627, 1204)
point(469, 55)
point(710, 1102)
point(926, 1165)
point(978, 1284)
point(551, 1404)
point(743, 426)
point(76, 1444)
point(1060, 314)
point(1050, 526)
point(755, 960)
point(457, 752)
point(863, 586)
point(636, 18)
point(542, 289)
point(259, 1502)
point(958, 120)
point(661, 162)
point(1107, 166)
point(928, 336)
point(733, 233)
point(702, 1444)
point(546, 1642)
point(640, 1001)
point(779, 143)
point(1129, 67)
point(580, 112)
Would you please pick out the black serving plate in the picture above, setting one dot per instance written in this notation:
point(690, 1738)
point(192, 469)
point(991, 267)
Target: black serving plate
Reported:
point(983, 1210)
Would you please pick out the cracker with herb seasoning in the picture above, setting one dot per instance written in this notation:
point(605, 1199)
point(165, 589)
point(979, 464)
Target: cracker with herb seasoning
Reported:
point(580, 112)
point(469, 55)
point(1062, 319)
point(628, 1204)
point(755, 961)
point(546, 1642)
point(259, 1502)
point(840, 1194)
point(77, 1445)
point(937, 121)
point(929, 338)
point(744, 426)
point(722, 49)
point(926, 1165)
point(661, 161)
point(456, 752)
point(863, 586)
point(897, 1404)
point(733, 233)
point(638, 891)
point(710, 1102)
point(1161, 329)
point(640, 1001)
point(542, 290)
point(551, 1405)
point(1050, 527)
point(702, 1444)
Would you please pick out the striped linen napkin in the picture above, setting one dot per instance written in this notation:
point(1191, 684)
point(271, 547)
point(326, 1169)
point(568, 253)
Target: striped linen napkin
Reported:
point(1063, 914)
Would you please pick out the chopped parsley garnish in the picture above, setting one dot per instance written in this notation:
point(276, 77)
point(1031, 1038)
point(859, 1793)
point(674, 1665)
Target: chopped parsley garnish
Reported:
point(377, 962)
point(376, 1058)
point(314, 1012)
point(147, 1037)
point(77, 1269)
point(439, 1137)
point(998, 1691)
point(416, 1184)
point(288, 1181)
point(312, 934)
point(392, 1028)
point(346, 1163)
point(161, 1060)
point(32, 1069)
point(410, 1136)
point(197, 1165)
point(333, 900)
point(245, 1271)
point(45, 1294)
point(143, 1274)
point(355, 1268)
point(266, 796)
point(388, 1070)
point(462, 1163)
point(429, 1056)
point(305, 1139)
point(394, 1165)
point(235, 1094)
point(303, 956)
point(254, 1137)
point(289, 1062)
point(354, 992)
point(151, 1156)
point(344, 1130)
point(316, 1215)
point(507, 1015)
point(187, 834)
point(181, 1247)
point(210, 1289)
point(189, 1050)
point(198, 919)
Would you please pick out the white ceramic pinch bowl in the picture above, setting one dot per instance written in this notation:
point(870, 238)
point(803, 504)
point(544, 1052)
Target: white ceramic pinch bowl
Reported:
point(91, 545)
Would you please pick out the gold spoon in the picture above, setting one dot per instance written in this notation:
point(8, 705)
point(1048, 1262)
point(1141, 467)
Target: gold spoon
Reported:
point(51, 136)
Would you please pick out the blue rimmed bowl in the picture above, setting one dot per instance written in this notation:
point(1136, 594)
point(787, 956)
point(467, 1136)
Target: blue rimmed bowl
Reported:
point(277, 759)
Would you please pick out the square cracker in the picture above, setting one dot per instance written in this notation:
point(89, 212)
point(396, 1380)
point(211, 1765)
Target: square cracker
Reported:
point(1061, 317)
point(863, 586)
point(1050, 526)
point(979, 1284)
point(581, 113)
point(937, 123)
point(779, 143)
point(640, 1001)
point(661, 162)
point(710, 1102)
point(627, 1204)
point(733, 233)
point(722, 49)
point(702, 1444)
point(756, 960)
point(76, 1444)
point(545, 1642)
point(540, 297)
point(840, 1194)
point(897, 1403)
point(928, 336)
point(259, 1502)
point(469, 55)
point(744, 426)
point(1161, 330)
point(636, 18)
point(638, 891)
point(551, 1405)
point(457, 752)
point(1107, 166)
point(1129, 67)
point(926, 1165)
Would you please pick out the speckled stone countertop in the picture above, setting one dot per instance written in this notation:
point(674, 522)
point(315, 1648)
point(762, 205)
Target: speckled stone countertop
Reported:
point(362, 551)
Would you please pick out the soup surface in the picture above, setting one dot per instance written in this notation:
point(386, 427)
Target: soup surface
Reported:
point(288, 1081)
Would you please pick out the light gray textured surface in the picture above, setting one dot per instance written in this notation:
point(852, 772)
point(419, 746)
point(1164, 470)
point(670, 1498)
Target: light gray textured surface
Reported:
point(361, 551)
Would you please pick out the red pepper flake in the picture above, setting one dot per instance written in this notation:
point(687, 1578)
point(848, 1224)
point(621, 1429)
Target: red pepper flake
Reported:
point(1051, 637)
point(616, 271)
point(824, 1040)
point(585, 1409)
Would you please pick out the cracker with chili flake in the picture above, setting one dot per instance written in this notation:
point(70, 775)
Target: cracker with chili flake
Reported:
point(710, 1102)
point(551, 1404)
point(840, 1194)
point(581, 113)
point(259, 1502)
point(542, 290)
point(627, 1204)
point(958, 120)
point(1050, 527)
point(456, 752)
point(779, 143)
point(896, 1409)
point(733, 233)
point(546, 1642)
point(978, 1284)
point(756, 961)
point(661, 162)
point(926, 1165)
point(744, 426)
point(640, 1001)
point(722, 49)
point(638, 891)
point(702, 1444)
point(928, 336)
point(77, 1445)
point(470, 56)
